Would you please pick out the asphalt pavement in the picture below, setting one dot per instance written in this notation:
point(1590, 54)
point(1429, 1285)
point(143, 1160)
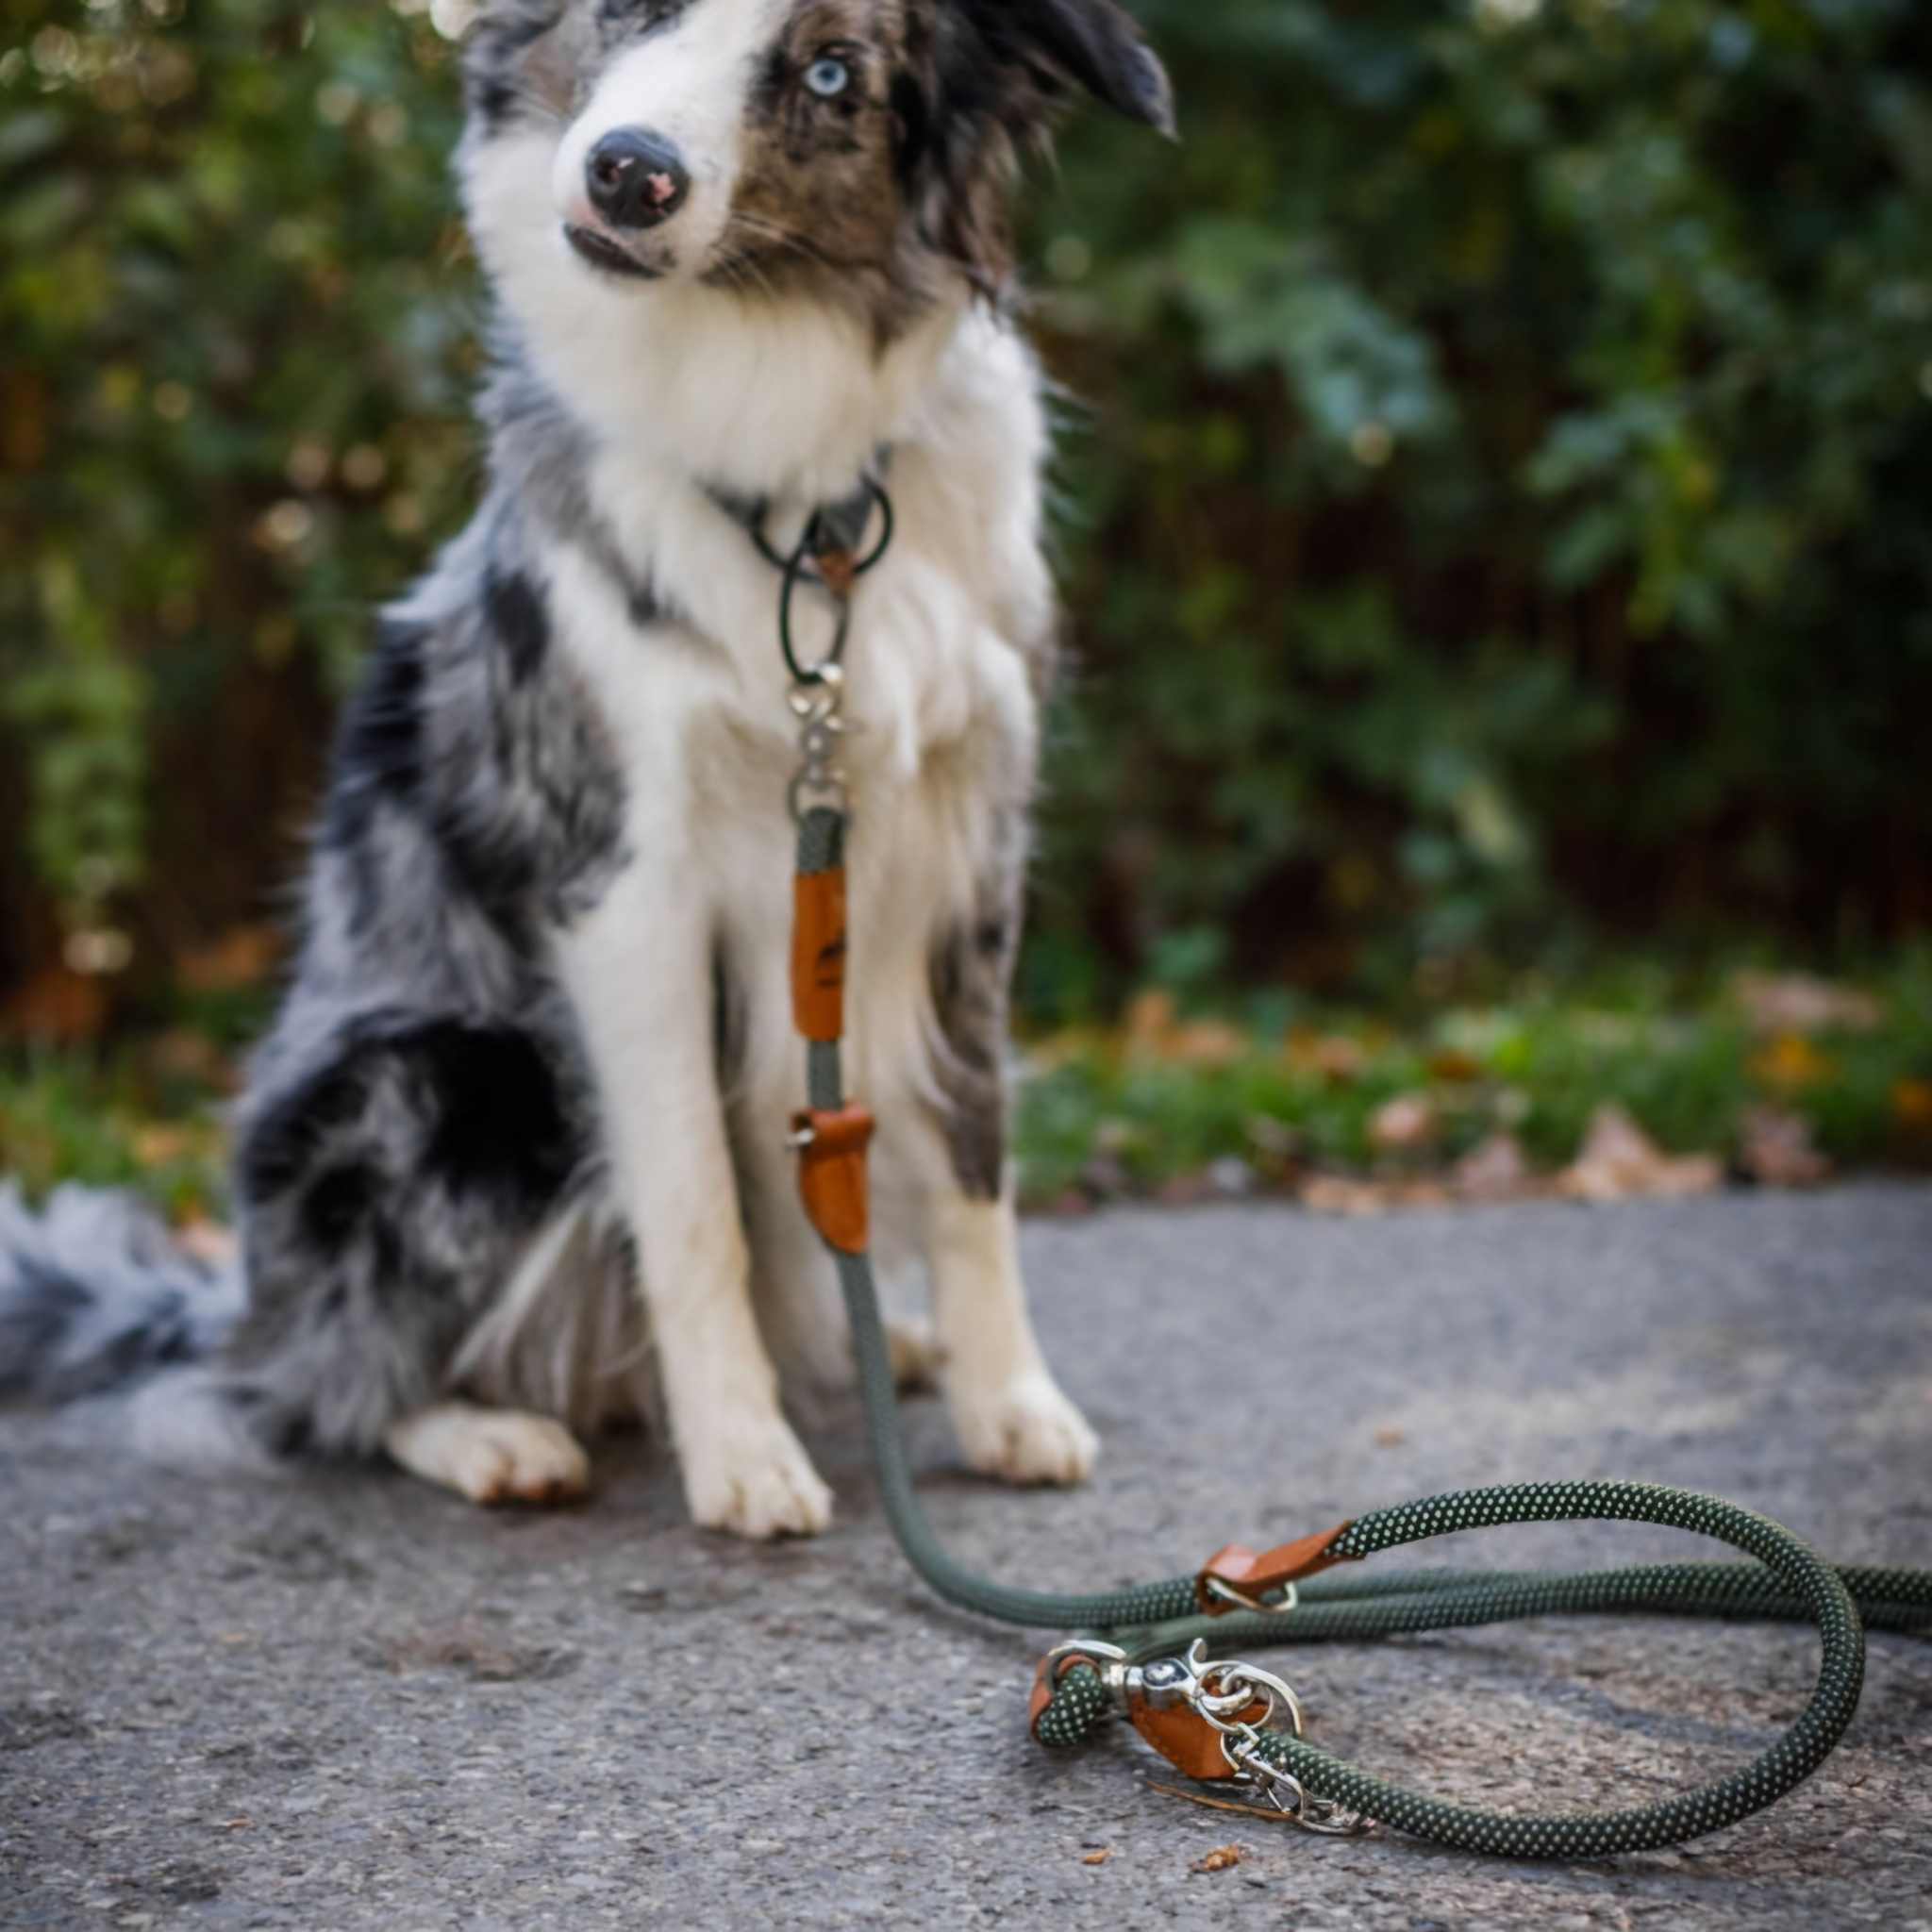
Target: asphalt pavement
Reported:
point(349, 1700)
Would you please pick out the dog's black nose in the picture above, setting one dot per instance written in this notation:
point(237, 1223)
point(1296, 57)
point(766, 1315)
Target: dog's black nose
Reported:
point(635, 178)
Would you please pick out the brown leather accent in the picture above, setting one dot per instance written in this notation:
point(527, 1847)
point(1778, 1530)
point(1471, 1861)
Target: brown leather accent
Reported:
point(1041, 1697)
point(1187, 1740)
point(1043, 1686)
point(1240, 1569)
point(818, 954)
point(840, 568)
point(831, 1174)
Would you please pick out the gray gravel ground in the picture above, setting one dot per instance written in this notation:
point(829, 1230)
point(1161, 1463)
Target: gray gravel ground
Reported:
point(349, 1700)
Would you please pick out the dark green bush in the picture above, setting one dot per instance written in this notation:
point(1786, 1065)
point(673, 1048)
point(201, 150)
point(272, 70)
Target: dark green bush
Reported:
point(1498, 515)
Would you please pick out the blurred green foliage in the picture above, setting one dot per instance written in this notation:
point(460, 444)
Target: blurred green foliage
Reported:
point(1505, 514)
point(1497, 515)
point(239, 334)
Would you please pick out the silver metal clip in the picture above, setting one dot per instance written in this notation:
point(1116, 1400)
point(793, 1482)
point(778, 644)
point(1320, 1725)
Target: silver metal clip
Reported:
point(820, 780)
point(1223, 1694)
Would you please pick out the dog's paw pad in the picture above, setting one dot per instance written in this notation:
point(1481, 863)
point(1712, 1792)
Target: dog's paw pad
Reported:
point(1025, 1432)
point(758, 1483)
point(493, 1456)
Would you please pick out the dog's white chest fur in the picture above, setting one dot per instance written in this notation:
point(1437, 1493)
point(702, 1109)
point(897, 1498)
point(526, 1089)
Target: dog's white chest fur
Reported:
point(941, 731)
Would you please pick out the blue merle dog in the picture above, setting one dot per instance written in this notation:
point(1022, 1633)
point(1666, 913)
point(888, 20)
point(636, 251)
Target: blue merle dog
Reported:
point(510, 1164)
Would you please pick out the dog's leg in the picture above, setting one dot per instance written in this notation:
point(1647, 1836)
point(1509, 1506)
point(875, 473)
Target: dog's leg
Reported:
point(641, 973)
point(797, 1291)
point(388, 1190)
point(1011, 1418)
point(491, 1455)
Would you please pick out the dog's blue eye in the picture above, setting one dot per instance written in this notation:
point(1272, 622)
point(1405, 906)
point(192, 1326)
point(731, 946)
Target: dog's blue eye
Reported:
point(827, 77)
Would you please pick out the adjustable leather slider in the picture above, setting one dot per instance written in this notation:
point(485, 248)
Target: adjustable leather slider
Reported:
point(818, 954)
point(831, 1174)
point(1232, 1578)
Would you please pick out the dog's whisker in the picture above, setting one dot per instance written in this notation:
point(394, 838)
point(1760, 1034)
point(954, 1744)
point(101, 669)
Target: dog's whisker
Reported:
point(786, 240)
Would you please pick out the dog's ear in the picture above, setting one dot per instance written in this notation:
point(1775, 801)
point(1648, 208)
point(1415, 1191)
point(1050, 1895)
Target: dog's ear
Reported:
point(1095, 44)
point(983, 86)
point(1013, 62)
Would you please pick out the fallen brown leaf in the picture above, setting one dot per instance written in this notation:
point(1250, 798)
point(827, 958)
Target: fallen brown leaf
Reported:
point(1219, 1859)
point(1403, 1123)
point(1329, 1193)
point(1099, 1857)
point(1619, 1161)
point(1775, 1147)
point(1800, 1003)
point(1494, 1170)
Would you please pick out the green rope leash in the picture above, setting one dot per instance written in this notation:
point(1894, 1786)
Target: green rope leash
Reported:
point(1785, 1581)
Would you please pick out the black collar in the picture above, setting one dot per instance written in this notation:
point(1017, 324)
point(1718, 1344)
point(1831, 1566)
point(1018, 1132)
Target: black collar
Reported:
point(835, 527)
point(826, 555)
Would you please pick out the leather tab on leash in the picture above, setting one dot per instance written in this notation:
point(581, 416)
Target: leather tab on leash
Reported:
point(818, 954)
point(831, 1174)
point(1235, 1578)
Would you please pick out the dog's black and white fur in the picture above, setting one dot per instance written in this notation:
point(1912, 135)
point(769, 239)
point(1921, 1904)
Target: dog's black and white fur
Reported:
point(519, 1127)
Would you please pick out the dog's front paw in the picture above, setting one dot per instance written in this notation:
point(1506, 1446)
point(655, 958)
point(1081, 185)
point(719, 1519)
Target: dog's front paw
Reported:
point(491, 1455)
point(1024, 1431)
point(754, 1479)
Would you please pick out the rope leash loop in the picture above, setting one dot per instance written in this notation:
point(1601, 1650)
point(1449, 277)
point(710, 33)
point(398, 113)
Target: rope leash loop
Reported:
point(1806, 1586)
point(1223, 1720)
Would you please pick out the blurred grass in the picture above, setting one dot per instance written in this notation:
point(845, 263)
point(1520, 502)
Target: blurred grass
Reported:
point(1169, 1097)
point(1179, 1102)
point(113, 1121)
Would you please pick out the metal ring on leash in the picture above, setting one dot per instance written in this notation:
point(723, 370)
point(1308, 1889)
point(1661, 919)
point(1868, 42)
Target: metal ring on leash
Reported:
point(1223, 1592)
point(809, 673)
